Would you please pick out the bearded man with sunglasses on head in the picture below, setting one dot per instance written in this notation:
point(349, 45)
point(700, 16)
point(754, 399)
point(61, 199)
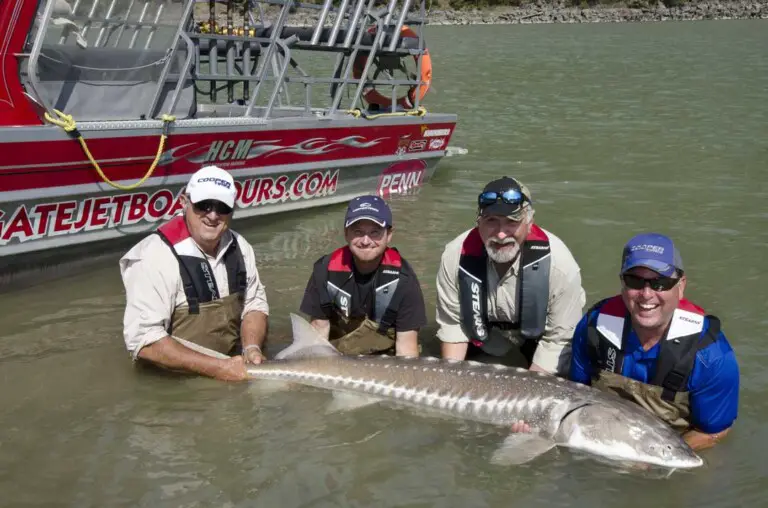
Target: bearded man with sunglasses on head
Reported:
point(508, 291)
point(652, 346)
point(194, 299)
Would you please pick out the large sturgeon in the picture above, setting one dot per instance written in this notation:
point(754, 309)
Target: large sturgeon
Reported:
point(559, 412)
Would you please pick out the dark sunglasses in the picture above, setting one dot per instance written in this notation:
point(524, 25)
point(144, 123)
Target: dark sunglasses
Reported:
point(208, 205)
point(658, 284)
point(510, 197)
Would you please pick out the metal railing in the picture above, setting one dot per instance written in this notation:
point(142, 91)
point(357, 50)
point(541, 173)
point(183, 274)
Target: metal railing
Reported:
point(255, 56)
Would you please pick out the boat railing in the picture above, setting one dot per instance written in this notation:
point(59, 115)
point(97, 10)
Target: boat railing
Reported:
point(137, 60)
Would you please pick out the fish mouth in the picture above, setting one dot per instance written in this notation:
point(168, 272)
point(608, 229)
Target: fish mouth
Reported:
point(687, 462)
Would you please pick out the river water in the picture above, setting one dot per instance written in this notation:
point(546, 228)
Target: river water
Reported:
point(615, 128)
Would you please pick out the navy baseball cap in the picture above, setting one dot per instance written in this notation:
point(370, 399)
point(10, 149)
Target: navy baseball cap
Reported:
point(371, 208)
point(654, 251)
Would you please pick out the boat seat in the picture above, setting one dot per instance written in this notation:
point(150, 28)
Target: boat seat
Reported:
point(95, 84)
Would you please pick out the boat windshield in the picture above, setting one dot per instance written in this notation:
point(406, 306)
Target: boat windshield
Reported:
point(105, 59)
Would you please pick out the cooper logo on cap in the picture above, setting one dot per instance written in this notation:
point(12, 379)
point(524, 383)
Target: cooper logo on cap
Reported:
point(217, 181)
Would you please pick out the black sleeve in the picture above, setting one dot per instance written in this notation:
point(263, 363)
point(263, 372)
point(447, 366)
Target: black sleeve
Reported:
point(412, 313)
point(311, 303)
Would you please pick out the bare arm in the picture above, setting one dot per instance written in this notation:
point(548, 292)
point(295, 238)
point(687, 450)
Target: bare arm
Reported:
point(253, 332)
point(170, 354)
point(454, 350)
point(701, 440)
point(407, 343)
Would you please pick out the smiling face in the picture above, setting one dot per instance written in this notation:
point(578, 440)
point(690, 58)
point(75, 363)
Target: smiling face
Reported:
point(207, 222)
point(502, 236)
point(651, 311)
point(367, 240)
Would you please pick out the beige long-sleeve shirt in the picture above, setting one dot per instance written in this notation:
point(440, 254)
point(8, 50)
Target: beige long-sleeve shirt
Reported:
point(566, 302)
point(154, 289)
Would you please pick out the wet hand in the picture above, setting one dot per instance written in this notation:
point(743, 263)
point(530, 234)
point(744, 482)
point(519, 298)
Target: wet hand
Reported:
point(253, 355)
point(234, 369)
point(521, 426)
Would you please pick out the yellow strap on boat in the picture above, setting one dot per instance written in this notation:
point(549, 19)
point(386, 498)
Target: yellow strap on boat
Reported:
point(70, 127)
point(357, 113)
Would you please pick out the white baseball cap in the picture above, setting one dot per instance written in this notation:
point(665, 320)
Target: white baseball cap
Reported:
point(212, 182)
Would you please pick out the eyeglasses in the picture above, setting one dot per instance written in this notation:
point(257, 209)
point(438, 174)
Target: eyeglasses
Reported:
point(510, 197)
point(658, 284)
point(207, 205)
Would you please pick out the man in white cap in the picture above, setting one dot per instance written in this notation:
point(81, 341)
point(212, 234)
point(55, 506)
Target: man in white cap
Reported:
point(194, 299)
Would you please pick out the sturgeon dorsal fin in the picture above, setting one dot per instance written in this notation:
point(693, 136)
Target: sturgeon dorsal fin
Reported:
point(306, 342)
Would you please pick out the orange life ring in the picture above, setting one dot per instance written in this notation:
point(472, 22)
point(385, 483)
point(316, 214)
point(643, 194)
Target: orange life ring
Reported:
point(372, 96)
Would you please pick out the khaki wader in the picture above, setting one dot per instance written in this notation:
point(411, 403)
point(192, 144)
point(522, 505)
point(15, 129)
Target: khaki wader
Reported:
point(517, 356)
point(360, 336)
point(216, 327)
point(677, 413)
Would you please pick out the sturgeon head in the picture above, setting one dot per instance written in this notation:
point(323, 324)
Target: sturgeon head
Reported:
point(621, 431)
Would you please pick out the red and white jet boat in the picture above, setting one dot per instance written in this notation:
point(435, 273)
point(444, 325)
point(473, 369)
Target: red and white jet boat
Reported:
point(108, 106)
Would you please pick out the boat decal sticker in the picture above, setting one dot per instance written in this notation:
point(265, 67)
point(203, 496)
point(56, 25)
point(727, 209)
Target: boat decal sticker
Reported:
point(401, 177)
point(247, 149)
point(49, 219)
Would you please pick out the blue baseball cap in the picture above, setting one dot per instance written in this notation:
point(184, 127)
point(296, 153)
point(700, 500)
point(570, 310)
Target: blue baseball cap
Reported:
point(654, 251)
point(371, 208)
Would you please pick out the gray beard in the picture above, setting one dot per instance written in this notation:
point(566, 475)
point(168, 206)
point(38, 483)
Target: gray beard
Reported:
point(502, 257)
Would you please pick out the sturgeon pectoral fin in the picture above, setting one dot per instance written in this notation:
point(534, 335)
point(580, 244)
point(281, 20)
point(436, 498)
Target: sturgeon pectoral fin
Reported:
point(520, 448)
point(343, 401)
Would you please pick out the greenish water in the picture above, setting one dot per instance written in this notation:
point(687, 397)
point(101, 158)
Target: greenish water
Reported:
point(615, 128)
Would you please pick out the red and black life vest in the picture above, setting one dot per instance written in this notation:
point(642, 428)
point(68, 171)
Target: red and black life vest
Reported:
point(196, 273)
point(533, 290)
point(337, 270)
point(608, 330)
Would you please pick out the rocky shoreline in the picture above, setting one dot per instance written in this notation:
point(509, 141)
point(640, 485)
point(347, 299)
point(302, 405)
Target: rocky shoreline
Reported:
point(554, 12)
point(560, 11)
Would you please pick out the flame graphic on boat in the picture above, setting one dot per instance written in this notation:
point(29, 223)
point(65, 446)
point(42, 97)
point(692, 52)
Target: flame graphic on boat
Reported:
point(313, 146)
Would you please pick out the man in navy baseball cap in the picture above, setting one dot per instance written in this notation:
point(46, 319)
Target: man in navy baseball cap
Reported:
point(651, 345)
point(364, 297)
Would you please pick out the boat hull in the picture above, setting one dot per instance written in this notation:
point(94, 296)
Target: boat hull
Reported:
point(52, 196)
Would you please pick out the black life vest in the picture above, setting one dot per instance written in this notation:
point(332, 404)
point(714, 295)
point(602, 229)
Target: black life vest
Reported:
point(196, 273)
point(608, 330)
point(337, 270)
point(533, 290)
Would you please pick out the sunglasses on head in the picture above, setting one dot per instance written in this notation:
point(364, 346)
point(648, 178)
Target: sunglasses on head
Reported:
point(208, 205)
point(659, 283)
point(510, 197)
